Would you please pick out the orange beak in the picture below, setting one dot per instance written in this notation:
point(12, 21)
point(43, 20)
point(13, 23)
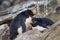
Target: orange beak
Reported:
point(31, 22)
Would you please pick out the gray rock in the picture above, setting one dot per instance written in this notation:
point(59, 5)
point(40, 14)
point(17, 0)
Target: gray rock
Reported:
point(4, 32)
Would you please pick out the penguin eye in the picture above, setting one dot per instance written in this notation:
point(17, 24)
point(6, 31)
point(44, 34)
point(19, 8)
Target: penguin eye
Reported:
point(35, 22)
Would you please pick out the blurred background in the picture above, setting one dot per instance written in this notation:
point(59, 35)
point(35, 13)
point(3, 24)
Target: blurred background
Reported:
point(45, 8)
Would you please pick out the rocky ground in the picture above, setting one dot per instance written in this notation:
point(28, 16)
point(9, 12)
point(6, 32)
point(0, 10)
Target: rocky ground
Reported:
point(52, 34)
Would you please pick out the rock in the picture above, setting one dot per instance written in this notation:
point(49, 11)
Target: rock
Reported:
point(29, 35)
point(2, 28)
point(4, 32)
point(52, 34)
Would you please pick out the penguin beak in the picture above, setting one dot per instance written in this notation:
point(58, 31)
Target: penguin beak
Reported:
point(31, 22)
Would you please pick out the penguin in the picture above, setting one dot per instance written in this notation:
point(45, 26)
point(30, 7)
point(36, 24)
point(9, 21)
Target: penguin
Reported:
point(41, 23)
point(20, 23)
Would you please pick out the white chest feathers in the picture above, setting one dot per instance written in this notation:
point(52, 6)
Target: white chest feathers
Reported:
point(28, 21)
point(19, 30)
point(40, 28)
